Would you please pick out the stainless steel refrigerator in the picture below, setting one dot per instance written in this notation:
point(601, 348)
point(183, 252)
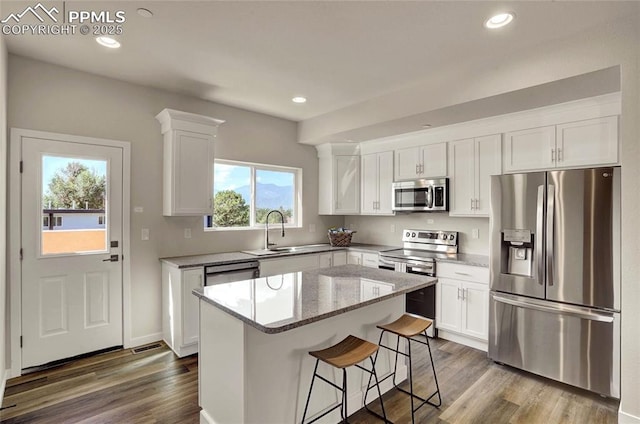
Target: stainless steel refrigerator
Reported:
point(555, 275)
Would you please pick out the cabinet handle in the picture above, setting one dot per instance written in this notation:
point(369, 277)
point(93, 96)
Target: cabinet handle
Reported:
point(458, 293)
point(560, 155)
point(553, 155)
point(477, 202)
point(417, 172)
point(200, 278)
point(464, 294)
point(422, 168)
point(471, 204)
point(461, 273)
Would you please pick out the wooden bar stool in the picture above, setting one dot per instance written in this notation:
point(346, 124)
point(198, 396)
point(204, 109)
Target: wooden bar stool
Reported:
point(350, 351)
point(408, 326)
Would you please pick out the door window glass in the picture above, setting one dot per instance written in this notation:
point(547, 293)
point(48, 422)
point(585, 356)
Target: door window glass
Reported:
point(73, 205)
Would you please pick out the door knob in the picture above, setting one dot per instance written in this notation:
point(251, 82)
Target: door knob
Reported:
point(112, 258)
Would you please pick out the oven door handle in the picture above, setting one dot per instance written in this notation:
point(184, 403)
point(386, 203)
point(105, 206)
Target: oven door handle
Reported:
point(422, 269)
point(384, 262)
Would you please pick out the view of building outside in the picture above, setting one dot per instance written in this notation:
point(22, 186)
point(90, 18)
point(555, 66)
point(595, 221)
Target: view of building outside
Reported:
point(73, 205)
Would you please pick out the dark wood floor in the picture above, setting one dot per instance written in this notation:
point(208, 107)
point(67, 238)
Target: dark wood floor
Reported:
point(156, 387)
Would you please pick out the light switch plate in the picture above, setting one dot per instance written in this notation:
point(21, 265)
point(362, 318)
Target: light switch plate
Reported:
point(475, 233)
point(138, 209)
point(187, 233)
point(145, 234)
point(392, 229)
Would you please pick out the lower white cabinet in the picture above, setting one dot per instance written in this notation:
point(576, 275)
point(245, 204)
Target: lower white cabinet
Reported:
point(370, 289)
point(462, 303)
point(330, 259)
point(180, 327)
point(288, 264)
point(362, 258)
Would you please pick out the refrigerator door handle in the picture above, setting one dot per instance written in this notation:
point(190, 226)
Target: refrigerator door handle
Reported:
point(539, 239)
point(550, 232)
point(581, 313)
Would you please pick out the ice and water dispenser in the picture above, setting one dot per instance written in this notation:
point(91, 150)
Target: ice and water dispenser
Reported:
point(517, 249)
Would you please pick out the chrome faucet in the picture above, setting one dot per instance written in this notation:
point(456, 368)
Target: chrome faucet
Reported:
point(267, 245)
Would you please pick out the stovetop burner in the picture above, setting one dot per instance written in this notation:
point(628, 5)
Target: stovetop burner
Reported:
point(425, 245)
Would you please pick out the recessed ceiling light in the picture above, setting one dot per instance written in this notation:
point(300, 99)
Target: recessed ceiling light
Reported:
point(108, 42)
point(145, 13)
point(426, 125)
point(499, 20)
point(299, 99)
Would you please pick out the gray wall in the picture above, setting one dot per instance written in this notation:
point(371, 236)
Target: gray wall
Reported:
point(52, 98)
point(377, 229)
point(4, 346)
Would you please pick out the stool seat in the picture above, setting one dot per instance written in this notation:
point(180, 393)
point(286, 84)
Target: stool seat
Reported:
point(407, 325)
point(348, 352)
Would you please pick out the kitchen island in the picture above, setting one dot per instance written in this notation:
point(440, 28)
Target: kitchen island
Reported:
point(255, 336)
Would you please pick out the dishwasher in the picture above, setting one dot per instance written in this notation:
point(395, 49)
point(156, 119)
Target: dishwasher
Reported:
point(219, 274)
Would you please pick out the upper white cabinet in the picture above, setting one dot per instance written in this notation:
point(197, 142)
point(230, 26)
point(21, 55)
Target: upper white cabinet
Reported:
point(589, 142)
point(421, 162)
point(471, 164)
point(581, 143)
point(188, 162)
point(338, 179)
point(377, 176)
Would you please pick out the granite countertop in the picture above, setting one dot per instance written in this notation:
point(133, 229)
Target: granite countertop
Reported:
point(284, 302)
point(466, 259)
point(213, 258)
point(194, 261)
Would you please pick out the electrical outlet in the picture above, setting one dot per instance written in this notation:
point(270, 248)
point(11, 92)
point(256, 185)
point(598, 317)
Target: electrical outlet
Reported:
point(312, 228)
point(475, 233)
point(138, 209)
point(392, 228)
point(144, 234)
point(430, 221)
point(187, 233)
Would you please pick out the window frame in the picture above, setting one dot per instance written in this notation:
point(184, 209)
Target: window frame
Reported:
point(297, 193)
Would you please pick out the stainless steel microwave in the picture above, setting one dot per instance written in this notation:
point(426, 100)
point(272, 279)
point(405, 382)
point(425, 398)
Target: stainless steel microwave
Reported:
point(421, 195)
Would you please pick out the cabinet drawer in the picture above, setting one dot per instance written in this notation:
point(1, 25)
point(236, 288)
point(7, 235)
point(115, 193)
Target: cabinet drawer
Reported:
point(370, 260)
point(462, 272)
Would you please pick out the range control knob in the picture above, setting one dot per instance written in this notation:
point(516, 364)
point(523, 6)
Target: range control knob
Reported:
point(407, 234)
point(443, 236)
point(451, 237)
point(413, 234)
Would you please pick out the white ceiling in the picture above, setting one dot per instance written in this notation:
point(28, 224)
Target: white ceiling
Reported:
point(257, 55)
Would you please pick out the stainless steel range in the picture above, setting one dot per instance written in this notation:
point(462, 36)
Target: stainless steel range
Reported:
point(420, 250)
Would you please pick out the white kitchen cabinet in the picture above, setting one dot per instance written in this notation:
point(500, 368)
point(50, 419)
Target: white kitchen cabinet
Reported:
point(188, 156)
point(428, 161)
point(471, 164)
point(275, 266)
point(591, 142)
point(362, 258)
point(370, 289)
point(588, 142)
point(180, 327)
point(377, 177)
point(338, 179)
point(462, 303)
point(330, 259)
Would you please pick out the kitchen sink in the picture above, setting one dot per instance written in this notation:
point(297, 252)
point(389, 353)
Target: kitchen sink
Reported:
point(288, 249)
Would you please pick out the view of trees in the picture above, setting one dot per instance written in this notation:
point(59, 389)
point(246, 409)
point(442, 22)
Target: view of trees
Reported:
point(231, 210)
point(75, 185)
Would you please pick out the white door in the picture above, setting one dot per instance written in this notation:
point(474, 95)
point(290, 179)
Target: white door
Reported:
point(385, 179)
point(191, 279)
point(475, 310)
point(489, 162)
point(434, 161)
point(407, 163)
point(530, 149)
point(71, 267)
point(448, 312)
point(347, 184)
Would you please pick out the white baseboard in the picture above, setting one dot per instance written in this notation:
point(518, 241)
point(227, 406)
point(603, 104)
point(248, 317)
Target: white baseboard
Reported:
point(3, 383)
point(624, 418)
point(139, 341)
point(205, 418)
point(467, 341)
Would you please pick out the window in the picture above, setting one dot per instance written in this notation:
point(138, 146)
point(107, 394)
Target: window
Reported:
point(57, 221)
point(45, 221)
point(244, 193)
point(101, 220)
